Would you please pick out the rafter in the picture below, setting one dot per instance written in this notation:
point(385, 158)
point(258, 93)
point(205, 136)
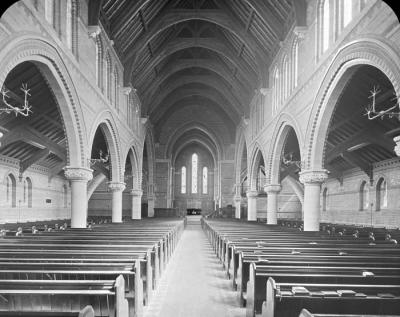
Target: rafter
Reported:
point(181, 64)
point(236, 102)
point(31, 136)
point(212, 44)
point(171, 17)
point(356, 161)
point(34, 159)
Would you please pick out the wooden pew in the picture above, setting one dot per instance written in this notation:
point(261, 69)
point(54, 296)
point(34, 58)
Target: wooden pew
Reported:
point(107, 297)
point(367, 299)
point(306, 313)
point(259, 274)
point(85, 312)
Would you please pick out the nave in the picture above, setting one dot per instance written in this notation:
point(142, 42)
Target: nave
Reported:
point(194, 284)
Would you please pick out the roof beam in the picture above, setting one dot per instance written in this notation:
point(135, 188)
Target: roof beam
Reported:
point(29, 135)
point(209, 81)
point(268, 17)
point(25, 164)
point(120, 24)
point(353, 160)
point(217, 46)
point(182, 64)
point(172, 17)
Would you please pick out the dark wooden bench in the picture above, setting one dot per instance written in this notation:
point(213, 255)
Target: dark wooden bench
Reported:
point(324, 298)
point(107, 297)
point(259, 275)
point(306, 313)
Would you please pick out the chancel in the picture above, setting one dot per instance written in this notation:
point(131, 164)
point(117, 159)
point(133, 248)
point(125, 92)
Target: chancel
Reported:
point(199, 158)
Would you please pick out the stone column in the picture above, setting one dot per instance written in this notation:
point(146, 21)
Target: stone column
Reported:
point(252, 205)
point(237, 200)
point(136, 203)
point(396, 139)
point(116, 188)
point(78, 178)
point(312, 180)
point(272, 191)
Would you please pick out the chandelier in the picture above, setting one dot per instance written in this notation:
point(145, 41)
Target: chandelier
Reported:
point(23, 110)
point(103, 159)
point(390, 112)
point(288, 160)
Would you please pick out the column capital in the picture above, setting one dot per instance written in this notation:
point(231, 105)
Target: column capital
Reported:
point(116, 186)
point(136, 192)
point(78, 173)
point(396, 139)
point(313, 176)
point(272, 188)
point(252, 194)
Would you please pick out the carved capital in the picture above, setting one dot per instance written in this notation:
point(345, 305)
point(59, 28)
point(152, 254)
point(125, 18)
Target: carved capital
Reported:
point(300, 32)
point(272, 188)
point(252, 194)
point(78, 173)
point(136, 192)
point(116, 186)
point(94, 31)
point(396, 139)
point(313, 176)
point(143, 120)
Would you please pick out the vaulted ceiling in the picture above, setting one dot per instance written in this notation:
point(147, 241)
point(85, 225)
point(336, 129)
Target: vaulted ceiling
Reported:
point(213, 51)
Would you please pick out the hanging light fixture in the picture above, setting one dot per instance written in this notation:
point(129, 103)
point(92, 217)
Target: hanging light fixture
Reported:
point(389, 112)
point(23, 110)
point(103, 159)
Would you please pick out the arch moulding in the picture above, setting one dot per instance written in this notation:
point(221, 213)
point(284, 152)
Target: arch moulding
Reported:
point(371, 51)
point(278, 141)
point(107, 123)
point(31, 48)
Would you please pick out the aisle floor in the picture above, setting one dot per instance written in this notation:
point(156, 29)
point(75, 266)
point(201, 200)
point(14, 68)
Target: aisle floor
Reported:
point(194, 284)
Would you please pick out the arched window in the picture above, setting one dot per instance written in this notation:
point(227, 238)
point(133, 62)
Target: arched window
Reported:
point(325, 199)
point(347, 6)
point(116, 88)
point(49, 11)
point(194, 173)
point(285, 83)
point(325, 25)
point(99, 62)
point(364, 196)
point(11, 193)
point(276, 91)
point(65, 195)
point(295, 65)
point(108, 81)
point(205, 180)
point(381, 194)
point(72, 25)
point(183, 180)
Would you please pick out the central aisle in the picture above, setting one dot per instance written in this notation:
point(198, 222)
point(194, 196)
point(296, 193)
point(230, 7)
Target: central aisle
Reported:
point(194, 284)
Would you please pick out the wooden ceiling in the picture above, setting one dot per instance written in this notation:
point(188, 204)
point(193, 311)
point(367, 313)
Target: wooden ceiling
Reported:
point(221, 47)
point(39, 138)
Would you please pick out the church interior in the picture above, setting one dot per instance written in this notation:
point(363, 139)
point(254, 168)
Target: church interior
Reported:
point(199, 158)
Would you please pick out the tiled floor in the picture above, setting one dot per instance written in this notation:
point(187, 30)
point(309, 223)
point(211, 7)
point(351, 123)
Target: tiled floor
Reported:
point(194, 283)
